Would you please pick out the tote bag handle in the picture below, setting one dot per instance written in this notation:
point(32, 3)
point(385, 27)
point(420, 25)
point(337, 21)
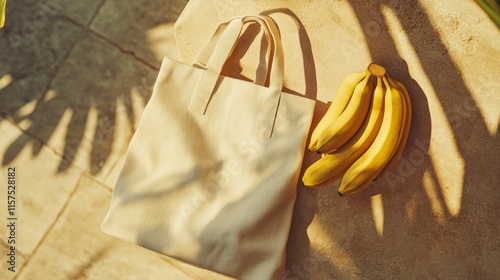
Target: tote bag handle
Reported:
point(221, 53)
point(262, 73)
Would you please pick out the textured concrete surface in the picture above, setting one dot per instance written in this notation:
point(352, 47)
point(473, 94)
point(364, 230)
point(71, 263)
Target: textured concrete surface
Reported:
point(75, 76)
point(433, 217)
point(71, 95)
point(75, 248)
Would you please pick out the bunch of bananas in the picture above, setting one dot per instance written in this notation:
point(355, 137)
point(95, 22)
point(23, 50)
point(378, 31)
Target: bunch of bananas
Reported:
point(363, 133)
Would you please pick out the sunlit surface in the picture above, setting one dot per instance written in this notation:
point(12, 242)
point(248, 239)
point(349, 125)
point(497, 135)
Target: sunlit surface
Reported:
point(58, 139)
point(161, 40)
point(89, 135)
point(337, 254)
point(355, 30)
point(26, 109)
point(449, 168)
point(431, 189)
point(378, 213)
point(51, 94)
point(445, 157)
point(406, 49)
point(5, 80)
point(476, 76)
point(450, 174)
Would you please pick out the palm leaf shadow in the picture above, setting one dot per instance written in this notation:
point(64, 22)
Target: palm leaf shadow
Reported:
point(76, 94)
point(408, 239)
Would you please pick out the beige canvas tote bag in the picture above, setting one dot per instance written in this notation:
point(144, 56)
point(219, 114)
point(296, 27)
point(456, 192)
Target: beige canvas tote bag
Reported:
point(210, 174)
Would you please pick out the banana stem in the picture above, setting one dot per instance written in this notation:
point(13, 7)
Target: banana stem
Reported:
point(376, 70)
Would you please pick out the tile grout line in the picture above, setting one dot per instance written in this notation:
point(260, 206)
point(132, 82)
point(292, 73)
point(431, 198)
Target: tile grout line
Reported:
point(85, 31)
point(45, 145)
point(68, 53)
point(95, 13)
point(89, 29)
point(111, 43)
point(51, 227)
point(8, 119)
point(131, 53)
point(66, 161)
point(58, 68)
point(103, 185)
point(4, 243)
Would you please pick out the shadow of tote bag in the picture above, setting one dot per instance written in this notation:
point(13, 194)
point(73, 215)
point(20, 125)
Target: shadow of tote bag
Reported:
point(211, 172)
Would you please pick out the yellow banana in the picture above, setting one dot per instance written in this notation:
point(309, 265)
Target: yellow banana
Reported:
point(339, 102)
point(362, 172)
point(332, 166)
point(351, 119)
point(406, 126)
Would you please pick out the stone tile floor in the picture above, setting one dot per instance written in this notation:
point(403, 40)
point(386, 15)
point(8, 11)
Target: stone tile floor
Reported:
point(66, 137)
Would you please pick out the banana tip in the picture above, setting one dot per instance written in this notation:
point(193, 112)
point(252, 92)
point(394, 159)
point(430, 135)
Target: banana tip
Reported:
point(340, 194)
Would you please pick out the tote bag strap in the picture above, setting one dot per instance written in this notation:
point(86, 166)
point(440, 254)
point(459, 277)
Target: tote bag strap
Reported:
point(223, 50)
point(262, 73)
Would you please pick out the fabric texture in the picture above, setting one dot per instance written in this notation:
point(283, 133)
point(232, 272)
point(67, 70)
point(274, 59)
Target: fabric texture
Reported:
point(210, 174)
